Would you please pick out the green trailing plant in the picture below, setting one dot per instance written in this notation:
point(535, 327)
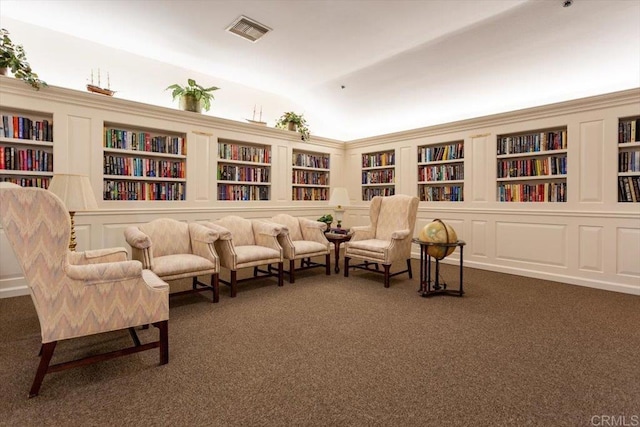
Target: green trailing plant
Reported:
point(14, 58)
point(200, 94)
point(299, 122)
point(327, 219)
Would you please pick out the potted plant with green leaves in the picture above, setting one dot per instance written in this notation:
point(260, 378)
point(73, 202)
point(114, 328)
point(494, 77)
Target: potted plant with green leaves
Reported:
point(327, 219)
point(292, 121)
point(14, 58)
point(193, 97)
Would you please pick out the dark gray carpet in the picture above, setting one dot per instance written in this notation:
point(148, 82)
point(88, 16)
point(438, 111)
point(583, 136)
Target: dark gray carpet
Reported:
point(333, 351)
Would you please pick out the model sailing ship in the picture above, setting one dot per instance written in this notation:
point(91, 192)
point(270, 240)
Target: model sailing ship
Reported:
point(97, 89)
point(254, 121)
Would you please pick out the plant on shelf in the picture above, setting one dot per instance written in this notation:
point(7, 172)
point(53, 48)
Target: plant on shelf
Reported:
point(193, 97)
point(14, 58)
point(292, 121)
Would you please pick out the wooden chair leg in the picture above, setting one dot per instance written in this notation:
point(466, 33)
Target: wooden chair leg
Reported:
point(194, 282)
point(409, 268)
point(386, 274)
point(215, 284)
point(346, 266)
point(163, 328)
point(327, 263)
point(234, 284)
point(292, 269)
point(280, 273)
point(134, 337)
point(43, 367)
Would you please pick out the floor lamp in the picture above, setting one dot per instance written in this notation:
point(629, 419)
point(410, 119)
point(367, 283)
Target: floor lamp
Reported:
point(339, 199)
point(76, 193)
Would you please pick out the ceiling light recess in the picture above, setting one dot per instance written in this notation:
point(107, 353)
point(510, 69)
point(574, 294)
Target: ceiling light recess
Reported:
point(248, 29)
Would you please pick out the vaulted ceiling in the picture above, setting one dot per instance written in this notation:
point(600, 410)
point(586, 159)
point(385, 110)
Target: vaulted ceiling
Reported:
point(359, 68)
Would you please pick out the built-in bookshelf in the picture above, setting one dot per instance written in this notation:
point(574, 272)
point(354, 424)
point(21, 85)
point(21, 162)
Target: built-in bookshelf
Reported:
point(629, 159)
point(441, 172)
point(378, 174)
point(26, 147)
point(143, 164)
point(244, 171)
point(310, 175)
point(532, 166)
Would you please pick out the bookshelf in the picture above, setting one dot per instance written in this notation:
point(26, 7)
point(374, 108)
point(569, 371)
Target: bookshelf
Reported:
point(26, 147)
point(378, 174)
point(532, 166)
point(441, 172)
point(143, 164)
point(310, 175)
point(244, 171)
point(629, 159)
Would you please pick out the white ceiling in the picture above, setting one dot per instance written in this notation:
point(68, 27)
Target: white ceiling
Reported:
point(404, 64)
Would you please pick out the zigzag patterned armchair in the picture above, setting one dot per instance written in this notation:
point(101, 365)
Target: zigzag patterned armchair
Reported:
point(78, 293)
point(302, 239)
point(176, 250)
point(246, 243)
point(387, 238)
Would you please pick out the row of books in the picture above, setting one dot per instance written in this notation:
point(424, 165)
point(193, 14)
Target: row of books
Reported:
point(534, 142)
point(629, 161)
point(24, 128)
point(136, 166)
point(13, 158)
point(447, 193)
point(441, 172)
point(629, 130)
point(28, 182)
point(243, 173)
point(144, 141)
point(629, 189)
point(242, 192)
point(310, 177)
point(543, 192)
point(447, 152)
point(138, 190)
point(244, 153)
point(372, 160)
point(370, 192)
point(554, 165)
point(310, 194)
point(384, 176)
point(310, 161)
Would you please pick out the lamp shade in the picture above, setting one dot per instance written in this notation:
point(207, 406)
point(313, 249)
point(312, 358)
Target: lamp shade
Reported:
point(75, 191)
point(339, 197)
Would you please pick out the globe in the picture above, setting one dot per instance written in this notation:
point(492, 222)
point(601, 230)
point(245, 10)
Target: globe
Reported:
point(438, 232)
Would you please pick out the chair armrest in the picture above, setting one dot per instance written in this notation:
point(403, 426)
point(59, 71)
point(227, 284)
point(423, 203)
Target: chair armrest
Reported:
point(97, 256)
point(136, 238)
point(309, 223)
point(202, 233)
point(93, 274)
point(362, 232)
point(267, 228)
point(400, 234)
point(313, 231)
point(283, 229)
point(223, 233)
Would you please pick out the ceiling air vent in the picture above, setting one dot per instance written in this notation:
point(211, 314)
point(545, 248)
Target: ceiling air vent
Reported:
point(248, 29)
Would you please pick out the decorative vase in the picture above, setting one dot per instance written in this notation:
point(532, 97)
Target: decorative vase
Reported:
point(3, 71)
point(190, 103)
point(292, 126)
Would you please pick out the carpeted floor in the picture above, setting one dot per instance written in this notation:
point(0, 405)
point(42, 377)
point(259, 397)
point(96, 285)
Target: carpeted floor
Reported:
point(347, 352)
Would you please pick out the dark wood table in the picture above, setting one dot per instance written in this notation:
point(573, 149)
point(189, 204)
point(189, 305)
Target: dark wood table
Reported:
point(337, 240)
point(430, 287)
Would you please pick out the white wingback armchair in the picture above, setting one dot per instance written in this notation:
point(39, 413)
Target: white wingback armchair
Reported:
point(387, 238)
point(78, 293)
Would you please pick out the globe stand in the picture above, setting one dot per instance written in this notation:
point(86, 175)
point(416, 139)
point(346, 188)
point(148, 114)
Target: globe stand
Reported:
point(429, 287)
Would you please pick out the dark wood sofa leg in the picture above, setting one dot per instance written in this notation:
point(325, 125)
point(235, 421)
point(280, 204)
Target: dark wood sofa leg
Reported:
point(409, 268)
point(280, 273)
point(346, 266)
point(386, 275)
point(43, 367)
point(292, 268)
point(215, 284)
point(327, 263)
point(163, 327)
point(234, 284)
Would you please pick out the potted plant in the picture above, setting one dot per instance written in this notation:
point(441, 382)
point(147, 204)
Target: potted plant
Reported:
point(193, 97)
point(13, 57)
point(292, 121)
point(327, 219)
